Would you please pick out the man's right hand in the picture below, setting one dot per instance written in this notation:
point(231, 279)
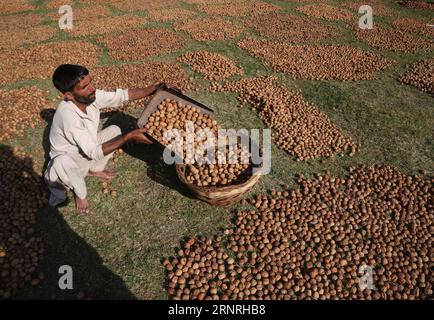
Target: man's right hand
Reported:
point(137, 135)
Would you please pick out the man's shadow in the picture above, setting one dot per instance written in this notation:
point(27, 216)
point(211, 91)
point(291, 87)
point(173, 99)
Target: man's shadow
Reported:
point(47, 115)
point(152, 155)
point(60, 244)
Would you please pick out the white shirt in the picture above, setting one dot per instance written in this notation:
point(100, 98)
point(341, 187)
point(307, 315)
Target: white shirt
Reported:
point(74, 131)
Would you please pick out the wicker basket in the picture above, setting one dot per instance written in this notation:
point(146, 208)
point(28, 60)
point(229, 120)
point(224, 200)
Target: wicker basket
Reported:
point(218, 196)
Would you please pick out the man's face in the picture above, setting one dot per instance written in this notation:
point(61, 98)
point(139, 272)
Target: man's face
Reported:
point(84, 91)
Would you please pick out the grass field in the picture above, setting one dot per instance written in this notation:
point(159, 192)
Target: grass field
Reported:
point(116, 250)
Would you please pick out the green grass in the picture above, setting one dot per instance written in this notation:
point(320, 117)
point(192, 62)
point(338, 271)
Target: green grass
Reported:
point(116, 251)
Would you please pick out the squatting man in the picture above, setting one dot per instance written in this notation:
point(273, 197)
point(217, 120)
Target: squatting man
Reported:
point(77, 149)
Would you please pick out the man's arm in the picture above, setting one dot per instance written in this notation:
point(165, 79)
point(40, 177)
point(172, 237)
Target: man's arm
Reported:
point(135, 94)
point(140, 93)
point(118, 98)
point(135, 135)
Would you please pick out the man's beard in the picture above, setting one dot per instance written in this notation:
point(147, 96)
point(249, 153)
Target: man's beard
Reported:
point(85, 100)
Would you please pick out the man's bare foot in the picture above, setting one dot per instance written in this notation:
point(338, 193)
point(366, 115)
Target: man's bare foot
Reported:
point(82, 205)
point(105, 175)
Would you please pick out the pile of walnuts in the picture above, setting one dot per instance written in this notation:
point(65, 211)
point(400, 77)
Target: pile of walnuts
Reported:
point(137, 44)
point(293, 28)
point(129, 76)
point(209, 28)
point(208, 1)
point(89, 13)
point(39, 61)
point(177, 14)
point(420, 75)
point(422, 5)
point(141, 5)
point(327, 12)
point(18, 37)
point(15, 6)
point(23, 194)
point(21, 110)
point(106, 25)
point(56, 4)
point(298, 126)
point(239, 8)
point(15, 22)
point(394, 40)
point(411, 25)
point(18, 30)
point(318, 242)
point(320, 62)
point(213, 66)
point(378, 9)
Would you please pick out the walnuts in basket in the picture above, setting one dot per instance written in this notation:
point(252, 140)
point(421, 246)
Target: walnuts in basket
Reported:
point(173, 114)
point(222, 172)
point(230, 164)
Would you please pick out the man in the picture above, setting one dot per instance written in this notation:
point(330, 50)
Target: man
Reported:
point(77, 150)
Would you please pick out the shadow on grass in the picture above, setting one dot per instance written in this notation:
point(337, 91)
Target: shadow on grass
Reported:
point(152, 155)
point(62, 246)
point(47, 115)
point(50, 244)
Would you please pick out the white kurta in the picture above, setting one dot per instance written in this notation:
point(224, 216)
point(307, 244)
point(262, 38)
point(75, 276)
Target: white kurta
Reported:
point(76, 145)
